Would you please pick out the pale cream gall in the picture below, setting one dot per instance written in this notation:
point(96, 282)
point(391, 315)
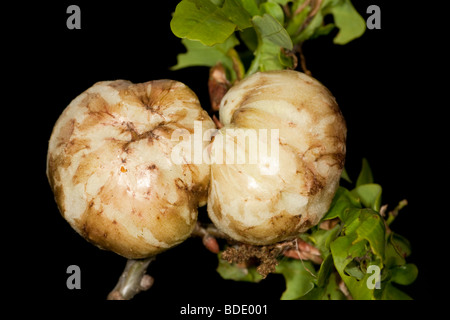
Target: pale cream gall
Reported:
point(110, 168)
point(258, 206)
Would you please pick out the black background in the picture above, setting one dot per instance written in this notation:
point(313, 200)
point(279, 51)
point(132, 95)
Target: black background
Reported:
point(378, 81)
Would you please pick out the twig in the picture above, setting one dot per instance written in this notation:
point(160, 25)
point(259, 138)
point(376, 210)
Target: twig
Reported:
point(391, 214)
point(309, 249)
point(298, 48)
point(301, 250)
point(301, 7)
point(293, 55)
point(209, 235)
point(316, 8)
point(238, 66)
point(133, 280)
point(199, 230)
point(344, 290)
point(383, 210)
point(329, 224)
point(394, 213)
point(287, 10)
point(217, 122)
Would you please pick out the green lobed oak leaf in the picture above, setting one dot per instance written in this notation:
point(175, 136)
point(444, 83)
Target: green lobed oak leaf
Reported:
point(350, 23)
point(198, 54)
point(345, 176)
point(358, 249)
point(372, 229)
point(341, 257)
point(299, 276)
point(235, 12)
point(270, 30)
point(365, 176)
point(329, 291)
point(342, 202)
point(274, 10)
point(354, 269)
point(340, 249)
point(324, 271)
point(405, 274)
point(361, 227)
point(321, 239)
point(332, 290)
point(391, 256)
point(201, 20)
point(323, 30)
point(231, 271)
point(249, 38)
point(272, 37)
point(251, 6)
point(351, 220)
point(397, 249)
point(369, 195)
point(266, 58)
point(401, 244)
point(392, 293)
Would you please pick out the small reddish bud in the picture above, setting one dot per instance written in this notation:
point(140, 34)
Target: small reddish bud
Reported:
point(210, 243)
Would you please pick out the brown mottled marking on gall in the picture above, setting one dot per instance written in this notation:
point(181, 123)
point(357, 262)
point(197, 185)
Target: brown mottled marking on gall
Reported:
point(313, 182)
point(180, 115)
point(306, 225)
point(180, 184)
point(203, 115)
point(76, 145)
point(164, 131)
point(98, 112)
point(238, 227)
point(87, 167)
point(94, 227)
point(217, 209)
point(175, 226)
point(200, 191)
point(283, 225)
point(53, 174)
point(159, 96)
point(66, 132)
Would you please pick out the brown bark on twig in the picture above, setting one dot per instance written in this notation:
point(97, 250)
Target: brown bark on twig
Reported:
point(298, 49)
point(133, 280)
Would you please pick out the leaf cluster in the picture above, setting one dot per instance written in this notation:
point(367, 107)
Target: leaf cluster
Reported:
point(247, 36)
point(360, 243)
